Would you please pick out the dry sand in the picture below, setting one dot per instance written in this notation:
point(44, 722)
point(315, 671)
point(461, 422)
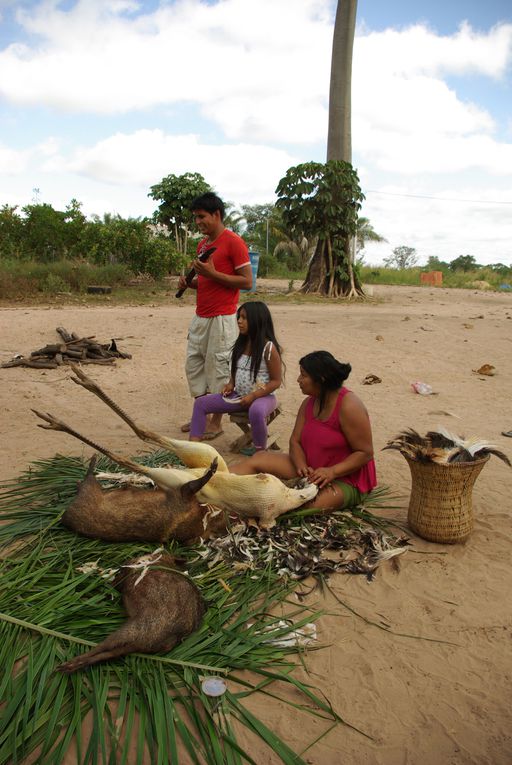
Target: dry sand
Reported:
point(422, 702)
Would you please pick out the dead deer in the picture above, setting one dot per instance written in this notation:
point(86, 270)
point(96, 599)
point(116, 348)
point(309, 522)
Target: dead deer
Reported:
point(261, 496)
point(135, 514)
point(163, 607)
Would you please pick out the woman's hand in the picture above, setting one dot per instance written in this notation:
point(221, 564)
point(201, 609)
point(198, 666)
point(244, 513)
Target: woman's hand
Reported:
point(246, 401)
point(322, 476)
point(228, 388)
point(303, 470)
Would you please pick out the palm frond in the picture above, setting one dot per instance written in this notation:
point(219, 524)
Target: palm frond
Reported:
point(150, 705)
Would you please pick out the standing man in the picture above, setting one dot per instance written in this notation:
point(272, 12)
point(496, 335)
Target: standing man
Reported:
point(218, 282)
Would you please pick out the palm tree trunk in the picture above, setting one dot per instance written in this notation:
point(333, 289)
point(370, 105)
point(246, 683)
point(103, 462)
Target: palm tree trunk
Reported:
point(339, 136)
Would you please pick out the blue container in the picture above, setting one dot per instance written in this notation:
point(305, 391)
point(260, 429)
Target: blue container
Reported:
point(255, 259)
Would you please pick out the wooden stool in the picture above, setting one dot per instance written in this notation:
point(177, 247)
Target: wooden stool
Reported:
point(242, 420)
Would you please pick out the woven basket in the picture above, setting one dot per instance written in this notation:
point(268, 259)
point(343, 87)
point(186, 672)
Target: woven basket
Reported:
point(440, 508)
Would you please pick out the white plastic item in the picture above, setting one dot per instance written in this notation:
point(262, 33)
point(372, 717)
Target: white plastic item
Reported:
point(424, 389)
point(213, 686)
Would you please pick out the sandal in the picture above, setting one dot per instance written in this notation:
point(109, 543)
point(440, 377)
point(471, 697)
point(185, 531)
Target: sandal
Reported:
point(248, 451)
point(507, 433)
point(210, 435)
point(185, 428)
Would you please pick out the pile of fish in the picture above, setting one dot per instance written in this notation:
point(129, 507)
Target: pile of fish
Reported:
point(298, 550)
point(443, 447)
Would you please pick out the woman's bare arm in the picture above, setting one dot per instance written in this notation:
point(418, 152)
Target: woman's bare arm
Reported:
point(355, 424)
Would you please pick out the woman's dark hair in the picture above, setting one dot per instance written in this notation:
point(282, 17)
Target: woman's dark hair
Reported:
point(260, 329)
point(326, 371)
point(210, 203)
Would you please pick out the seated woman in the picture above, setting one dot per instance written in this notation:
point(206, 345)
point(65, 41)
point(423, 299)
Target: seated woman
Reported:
point(331, 442)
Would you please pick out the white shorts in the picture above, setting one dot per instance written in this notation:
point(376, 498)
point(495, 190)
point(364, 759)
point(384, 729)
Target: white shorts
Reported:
point(210, 343)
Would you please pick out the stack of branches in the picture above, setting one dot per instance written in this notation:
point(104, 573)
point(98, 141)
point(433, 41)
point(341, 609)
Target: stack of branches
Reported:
point(443, 447)
point(73, 349)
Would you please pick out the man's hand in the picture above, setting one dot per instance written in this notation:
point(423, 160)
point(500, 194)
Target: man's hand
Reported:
point(204, 269)
point(182, 283)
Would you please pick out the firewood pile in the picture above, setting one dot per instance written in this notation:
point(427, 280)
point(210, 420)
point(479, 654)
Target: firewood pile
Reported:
point(73, 349)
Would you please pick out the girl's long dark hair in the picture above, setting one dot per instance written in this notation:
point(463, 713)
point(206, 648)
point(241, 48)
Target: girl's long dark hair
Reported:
point(326, 371)
point(260, 329)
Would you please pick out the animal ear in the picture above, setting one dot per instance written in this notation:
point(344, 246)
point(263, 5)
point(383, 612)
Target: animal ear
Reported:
point(192, 487)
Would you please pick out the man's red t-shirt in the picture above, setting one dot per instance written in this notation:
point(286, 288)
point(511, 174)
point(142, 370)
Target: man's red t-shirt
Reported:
point(231, 253)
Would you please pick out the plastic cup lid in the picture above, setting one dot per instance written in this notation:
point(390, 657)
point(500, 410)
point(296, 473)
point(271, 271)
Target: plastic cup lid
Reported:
point(213, 686)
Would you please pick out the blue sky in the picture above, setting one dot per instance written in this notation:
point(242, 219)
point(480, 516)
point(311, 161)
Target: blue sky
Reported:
point(99, 99)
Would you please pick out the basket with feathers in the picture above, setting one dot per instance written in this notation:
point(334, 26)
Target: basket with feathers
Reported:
point(444, 468)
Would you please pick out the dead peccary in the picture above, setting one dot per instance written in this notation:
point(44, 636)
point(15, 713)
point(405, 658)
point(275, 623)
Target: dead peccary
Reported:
point(163, 607)
point(134, 514)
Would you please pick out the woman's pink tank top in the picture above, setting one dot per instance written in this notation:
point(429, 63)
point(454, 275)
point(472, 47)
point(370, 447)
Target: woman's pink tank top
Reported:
point(325, 444)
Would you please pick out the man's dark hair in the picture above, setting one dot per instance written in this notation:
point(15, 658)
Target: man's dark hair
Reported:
point(210, 203)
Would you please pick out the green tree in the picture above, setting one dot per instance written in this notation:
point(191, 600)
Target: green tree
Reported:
point(323, 201)
point(365, 233)
point(402, 257)
point(501, 268)
point(434, 264)
point(44, 233)
point(175, 194)
point(11, 232)
point(464, 263)
point(131, 242)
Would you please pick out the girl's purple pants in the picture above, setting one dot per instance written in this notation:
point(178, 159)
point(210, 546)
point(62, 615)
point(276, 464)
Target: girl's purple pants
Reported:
point(214, 403)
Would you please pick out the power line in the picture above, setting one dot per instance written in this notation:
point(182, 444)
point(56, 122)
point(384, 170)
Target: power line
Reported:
point(438, 199)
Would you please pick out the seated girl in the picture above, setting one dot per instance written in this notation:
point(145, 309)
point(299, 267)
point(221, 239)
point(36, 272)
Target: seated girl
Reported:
point(256, 372)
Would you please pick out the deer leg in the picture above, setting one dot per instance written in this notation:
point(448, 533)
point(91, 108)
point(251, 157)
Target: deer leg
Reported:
point(144, 434)
point(100, 653)
point(54, 424)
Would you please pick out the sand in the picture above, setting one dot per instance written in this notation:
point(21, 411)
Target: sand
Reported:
point(441, 699)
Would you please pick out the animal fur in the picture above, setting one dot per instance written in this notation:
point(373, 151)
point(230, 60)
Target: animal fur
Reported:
point(163, 607)
point(135, 514)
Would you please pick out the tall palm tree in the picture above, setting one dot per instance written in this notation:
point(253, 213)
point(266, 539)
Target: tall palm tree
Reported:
point(366, 233)
point(339, 135)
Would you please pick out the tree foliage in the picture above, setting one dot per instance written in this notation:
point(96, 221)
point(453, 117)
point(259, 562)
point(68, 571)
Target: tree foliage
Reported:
point(464, 263)
point(402, 257)
point(45, 235)
point(365, 233)
point(323, 200)
point(175, 194)
point(435, 264)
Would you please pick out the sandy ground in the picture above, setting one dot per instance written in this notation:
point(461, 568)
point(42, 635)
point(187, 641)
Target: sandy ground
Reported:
point(422, 702)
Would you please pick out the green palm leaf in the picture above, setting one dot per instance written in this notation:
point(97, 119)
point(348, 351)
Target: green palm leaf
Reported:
point(139, 706)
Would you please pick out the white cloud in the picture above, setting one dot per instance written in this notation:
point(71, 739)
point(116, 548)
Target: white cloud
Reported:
point(460, 221)
point(258, 75)
point(417, 50)
point(11, 161)
point(231, 57)
point(144, 157)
